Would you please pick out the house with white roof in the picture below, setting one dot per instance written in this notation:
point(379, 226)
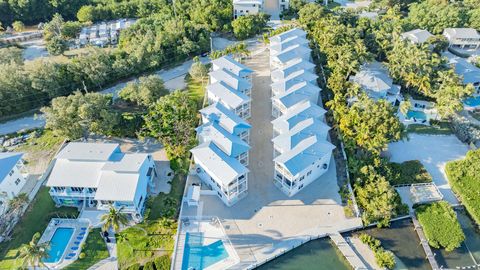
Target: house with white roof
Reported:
point(374, 80)
point(232, 99)
point(277, 47)
point(228, 63)
point(417, 36)
point(469, 72)
point(226, 119)
point(99, 175)
point(298, 93)
point(246, 7)
point(221, 172)
point(463, 38)
point(290, 68)
point(294, 32)
point(305, 162)
point(282, 86)
point(238, 83)
point(294, 52)
point(230, 144)
point(11, 178)
point(295, 115)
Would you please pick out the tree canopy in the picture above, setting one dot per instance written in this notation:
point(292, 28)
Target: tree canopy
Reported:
point(145, 91)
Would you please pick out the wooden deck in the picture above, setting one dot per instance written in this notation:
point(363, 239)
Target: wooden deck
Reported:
point(347, 251)
point(424, 242)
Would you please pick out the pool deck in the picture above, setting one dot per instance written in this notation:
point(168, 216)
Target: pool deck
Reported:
point(75, 224)
point(266, 223)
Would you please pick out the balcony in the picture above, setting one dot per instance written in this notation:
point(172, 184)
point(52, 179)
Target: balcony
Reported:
point(67, 192)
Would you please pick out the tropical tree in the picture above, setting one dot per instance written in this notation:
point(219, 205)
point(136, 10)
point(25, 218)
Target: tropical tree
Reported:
point(33, 253)
point(145, 91)
point(249, 25)
point(18, 26)
point(18, 202)
point(198, 71)
point(114, 219)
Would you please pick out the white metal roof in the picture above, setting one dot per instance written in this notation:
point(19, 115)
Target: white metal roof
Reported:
point(290, 68)
point(297, 93)
point(114, 186)
point(417, 36)
point(374, 79)
point(228, 63)
point(287, 34)
point(462, 33)
point(225, 117)
point(127, 163)
point(297, 114)
point(294, 78)
point(231, 144)
point(285, 44)
point(227, 95)
point(304, 129)
point(88, 151)
point(67, 173)
point(291, 53)
point(236, 82)
point(469, 72)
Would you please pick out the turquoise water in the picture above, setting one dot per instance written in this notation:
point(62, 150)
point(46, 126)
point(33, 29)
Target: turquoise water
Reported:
point(196, 256)
point(58, 243)
point(472, 101)
point(419, 115)
point(318, 254)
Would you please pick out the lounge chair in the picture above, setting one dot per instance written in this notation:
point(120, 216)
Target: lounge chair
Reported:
point(71, 254)
point(79, 237)
point(74, 248)
point(83, 228)
point(77, 242)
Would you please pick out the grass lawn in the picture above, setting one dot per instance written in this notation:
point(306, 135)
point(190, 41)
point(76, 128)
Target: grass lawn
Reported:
point(196, 89)
point(443, 128)
point(440, 225)
point(408, 172)
point(155, 236)
point(95, 250)
point(38, 214)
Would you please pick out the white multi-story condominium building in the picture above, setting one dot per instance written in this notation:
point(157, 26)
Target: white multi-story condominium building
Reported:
point(302, 164)
point(294, 32)
point(292, 68)
point(298, 93)
point(100, 176)
point(11, 178)
point(300, 112)
point(280, 46)
point(246, 7)
point(294, 78)
point(374, 80)
point(232, 99)
point(230, 64)
point(294, 52)
point(238, 83)
point(463, 38)
point(468, 71)
point(227, 119)
point(230, 144)
point(417, 36)
point(221, 172)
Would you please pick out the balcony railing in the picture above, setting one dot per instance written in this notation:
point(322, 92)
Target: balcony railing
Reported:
point(68, 192)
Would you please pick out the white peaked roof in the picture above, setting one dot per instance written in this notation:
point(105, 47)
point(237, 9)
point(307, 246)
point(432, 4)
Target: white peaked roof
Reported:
point(373, 78)
point(462, 33)
point(304, 129)
point(231, 144)
point(230, 64)
point(417, 36)
point(292, 67)
point(114, 186)
point(127, 163)
point(291, 53)
point(297, 114)
point(225, 117)
point(297, 93)
point(469, 72)
point(247, 2)
point(227, 95)
point(88, 151)
point(236, 82)
point(285, 44)
point(294, 78)
point(305, 153)
point(217, 164)
point(288, 34)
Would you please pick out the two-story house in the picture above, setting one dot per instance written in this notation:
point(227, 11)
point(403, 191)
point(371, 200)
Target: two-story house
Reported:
point(463, 38)
point(417, 36)
point(283, 101)
point(11, 178)
point(99, 175)
point(232, 99)
point(238, 69)
point(291, 69)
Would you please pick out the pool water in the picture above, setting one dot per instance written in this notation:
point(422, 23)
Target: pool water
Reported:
point(58, 243)
point(197, 256)
point(472, 101)
point(419, 115)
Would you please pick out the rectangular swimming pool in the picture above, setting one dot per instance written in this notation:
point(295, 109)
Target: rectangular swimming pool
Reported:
point(58, 244)
point(198, 257)
point(472, 101)
point(418, 115)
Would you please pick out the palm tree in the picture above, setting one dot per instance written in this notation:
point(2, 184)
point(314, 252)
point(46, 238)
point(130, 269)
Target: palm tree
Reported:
point(18, 202)
point(114, 219)
point(33, 253)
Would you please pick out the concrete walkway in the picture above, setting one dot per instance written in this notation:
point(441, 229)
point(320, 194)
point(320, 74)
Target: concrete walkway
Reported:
point(424, 242)
point(365, 253)
point(347, 251)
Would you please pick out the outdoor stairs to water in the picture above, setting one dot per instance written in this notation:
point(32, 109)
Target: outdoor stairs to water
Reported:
point(347, 251)
point(424, 242)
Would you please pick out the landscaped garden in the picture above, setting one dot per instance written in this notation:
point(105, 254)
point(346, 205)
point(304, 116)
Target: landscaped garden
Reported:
point(36, 219)
point(463, 176)
point(94, 251)
point(440, 225)
point(441, 128)
point(408, 172)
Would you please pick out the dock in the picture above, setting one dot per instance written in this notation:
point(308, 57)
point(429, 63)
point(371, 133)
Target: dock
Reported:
point(424, 242)
point(347, 251)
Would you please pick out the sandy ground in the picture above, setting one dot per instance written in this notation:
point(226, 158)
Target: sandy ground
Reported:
point(433, 152)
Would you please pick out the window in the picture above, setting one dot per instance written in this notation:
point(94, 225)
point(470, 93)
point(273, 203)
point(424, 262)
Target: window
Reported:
point(140, 201)
point(17, 181)
point(241, 177)
point(301, 178)
point(10, 173)
point(76, 189)
point(308, 173)
point(91, 190)
point(300, 187)
point(324, 166)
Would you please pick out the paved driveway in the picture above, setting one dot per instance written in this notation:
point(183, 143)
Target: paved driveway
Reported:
point(433, 152)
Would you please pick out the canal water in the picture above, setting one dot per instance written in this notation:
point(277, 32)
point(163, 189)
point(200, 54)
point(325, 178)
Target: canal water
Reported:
point(318, 254)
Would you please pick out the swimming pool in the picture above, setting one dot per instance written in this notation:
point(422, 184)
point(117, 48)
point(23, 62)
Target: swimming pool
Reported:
point(419, 115)
point(58, 244)
point(196, 256)
point(472, 101)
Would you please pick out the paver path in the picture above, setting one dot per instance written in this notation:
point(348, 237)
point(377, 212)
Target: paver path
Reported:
point(347, 251)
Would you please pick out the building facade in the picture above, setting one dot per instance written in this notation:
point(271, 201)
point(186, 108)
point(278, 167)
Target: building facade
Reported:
point(11, 178)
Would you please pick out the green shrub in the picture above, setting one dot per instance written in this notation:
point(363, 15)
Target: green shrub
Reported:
point(149, 266)
point(408, 172)
point(440, 225)
point(464, 178)
point(162, 262)
point(82, 255)
point(385, 258)
point(135, 266)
